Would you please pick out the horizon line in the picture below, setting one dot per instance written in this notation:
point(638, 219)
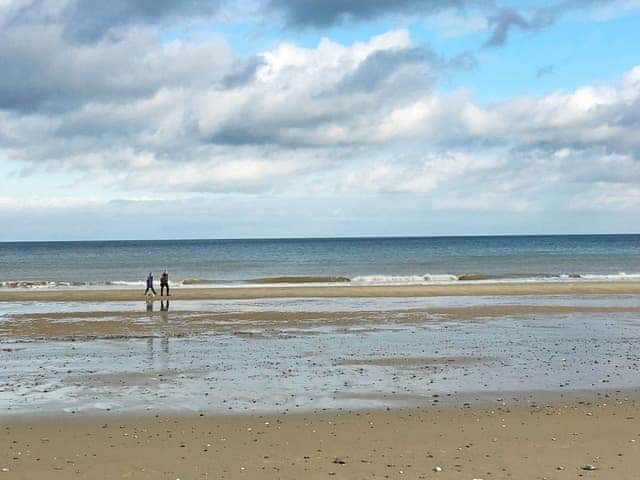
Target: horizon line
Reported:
point(336, 237)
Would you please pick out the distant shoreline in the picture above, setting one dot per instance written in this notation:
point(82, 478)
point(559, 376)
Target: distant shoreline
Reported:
point(337, 291)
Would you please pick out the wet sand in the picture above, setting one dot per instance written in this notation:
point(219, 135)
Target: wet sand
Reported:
point(505, 441)
point(340, 291)
point(121, 324)
point(303, 354)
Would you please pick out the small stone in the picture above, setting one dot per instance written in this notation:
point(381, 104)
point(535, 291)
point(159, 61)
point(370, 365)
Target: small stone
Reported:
point(560, 467)
point(5, 469)
point(588, 467)
point(339, 461)
point(437, 469)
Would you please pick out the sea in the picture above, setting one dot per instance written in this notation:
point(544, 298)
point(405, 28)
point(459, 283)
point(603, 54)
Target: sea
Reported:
point(301, 261)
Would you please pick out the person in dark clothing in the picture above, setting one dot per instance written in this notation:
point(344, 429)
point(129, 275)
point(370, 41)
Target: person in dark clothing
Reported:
point(164, 283)
point(150, 284)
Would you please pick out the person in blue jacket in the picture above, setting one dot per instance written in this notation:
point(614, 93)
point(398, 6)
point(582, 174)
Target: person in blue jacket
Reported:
point(150, 284)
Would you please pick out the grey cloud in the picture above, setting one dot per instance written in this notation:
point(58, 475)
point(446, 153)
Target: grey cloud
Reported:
point(501, 20)
point(92, 20)
point(379, 66)
point(507, 19)
point(630, 117)
point(260, 124)
point(599, 166)
point(236, 134)
point(324, 13)
point(545, 70)
point(420, 66)
point(89, 20)
point(41, 71)
point(463, 61)
point(243, 73)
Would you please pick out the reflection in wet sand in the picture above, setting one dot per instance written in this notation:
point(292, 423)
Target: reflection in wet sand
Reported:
point(164, 338)
point(239, 360)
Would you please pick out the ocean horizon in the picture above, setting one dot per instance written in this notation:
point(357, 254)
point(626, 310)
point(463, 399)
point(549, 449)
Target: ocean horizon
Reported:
point(326, 260)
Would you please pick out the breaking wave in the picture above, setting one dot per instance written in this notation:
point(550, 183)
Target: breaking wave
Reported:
point(300, 279)
point(341, 280)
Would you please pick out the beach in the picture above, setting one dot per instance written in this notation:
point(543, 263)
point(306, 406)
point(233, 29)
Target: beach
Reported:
point(532, 441)
point(469, 380)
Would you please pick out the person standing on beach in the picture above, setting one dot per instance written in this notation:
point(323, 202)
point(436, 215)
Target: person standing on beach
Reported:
point(164, 283)
point(150, 284)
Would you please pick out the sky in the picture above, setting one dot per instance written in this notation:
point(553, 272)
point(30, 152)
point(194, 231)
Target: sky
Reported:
point(156, 119)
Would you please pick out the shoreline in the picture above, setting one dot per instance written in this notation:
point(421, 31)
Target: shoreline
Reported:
point(334, 291)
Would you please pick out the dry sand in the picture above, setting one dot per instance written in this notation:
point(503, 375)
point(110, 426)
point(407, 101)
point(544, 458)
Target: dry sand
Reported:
point(531, 288)
point(518, 442)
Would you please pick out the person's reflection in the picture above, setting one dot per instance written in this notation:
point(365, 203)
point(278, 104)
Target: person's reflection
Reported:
point(164, 341)
point(149, 304)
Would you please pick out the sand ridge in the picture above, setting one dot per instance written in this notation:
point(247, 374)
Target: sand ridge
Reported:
point(457, 289)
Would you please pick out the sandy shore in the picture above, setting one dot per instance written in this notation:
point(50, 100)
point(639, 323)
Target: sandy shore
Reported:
point(471, 289)
point(520, 442)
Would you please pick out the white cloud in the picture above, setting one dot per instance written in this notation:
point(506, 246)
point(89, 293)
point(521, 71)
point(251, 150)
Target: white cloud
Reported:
point(47, 202)
point(363, 117)
point(417, 175)
point(610, 197)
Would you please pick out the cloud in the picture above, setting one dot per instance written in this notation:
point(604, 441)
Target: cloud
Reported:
point(90, 20)
point(94, 20)
point(508, 18)
point(450, 17)
point(378, 67)
point(41, 71)
point(625, 198)
point(131, 114)
point(243, 72)
point(34, 202)
point(545, 70)
point(590, 116)
point(417, 175)
point(324, 13)
point(457, 23)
